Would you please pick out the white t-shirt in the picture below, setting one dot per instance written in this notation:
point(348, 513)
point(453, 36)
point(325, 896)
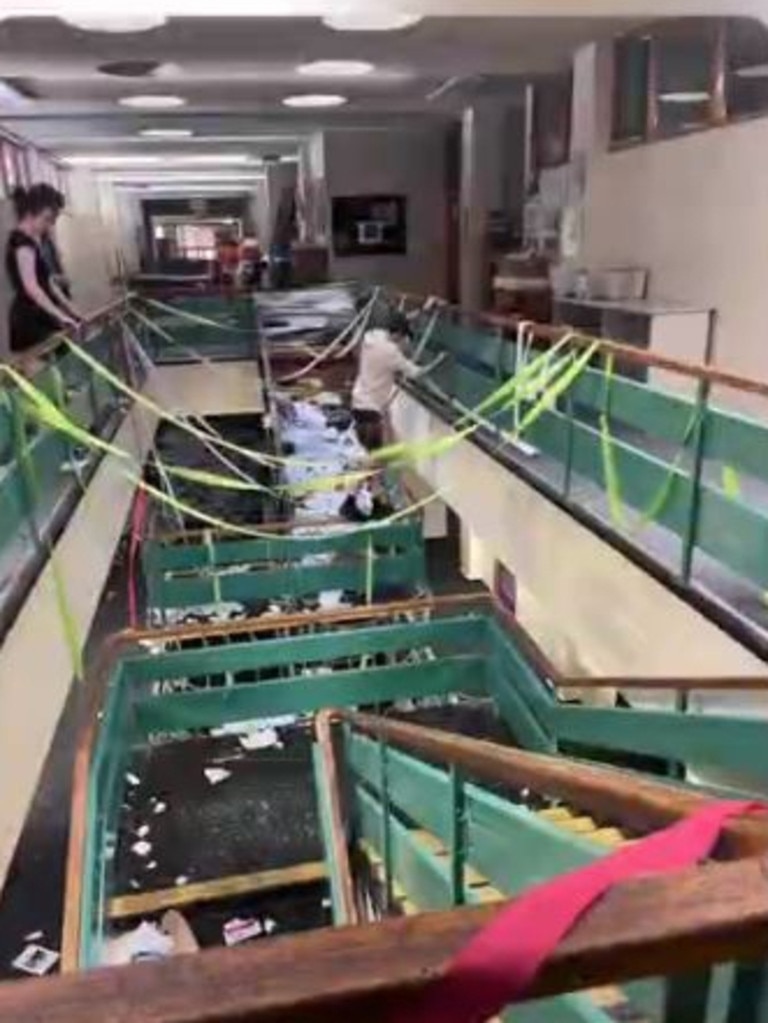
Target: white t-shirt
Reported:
point(380, 362)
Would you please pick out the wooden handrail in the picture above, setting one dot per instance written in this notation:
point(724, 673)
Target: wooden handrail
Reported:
point(683, 922)
point(339, 848)
point(736, 683)
point(627, 353)
point(613, 796)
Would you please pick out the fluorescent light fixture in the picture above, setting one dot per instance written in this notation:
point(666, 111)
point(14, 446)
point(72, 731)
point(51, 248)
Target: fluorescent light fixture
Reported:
point(753, 71)
point(684, 97)
point(115, 22)
point(152, 176)
point(166, 160)
point(166, 133)
point(314, 100)
point(155, 102)
point(371, 21)
point(335, 68)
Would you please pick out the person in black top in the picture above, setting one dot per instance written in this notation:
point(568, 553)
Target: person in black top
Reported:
point(39, 308)
point(50, 249)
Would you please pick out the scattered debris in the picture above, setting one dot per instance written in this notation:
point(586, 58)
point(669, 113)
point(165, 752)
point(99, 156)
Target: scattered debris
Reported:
point(152, 865)
point(181, 880)
point(145, 942)
point(238, 931)
point(159, 807)
point(142, 848)
point(327, 903)
point(269, 925)
point(262, 738)
point(143, 831)
point(216, 775)
point(132, 779)
point(134, 884)
point(36, 960)
point(34, 938)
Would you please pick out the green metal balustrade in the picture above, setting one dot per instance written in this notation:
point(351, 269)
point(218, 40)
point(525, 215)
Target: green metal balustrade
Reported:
point(374, 564)
point(370, 664)
point(692, 475)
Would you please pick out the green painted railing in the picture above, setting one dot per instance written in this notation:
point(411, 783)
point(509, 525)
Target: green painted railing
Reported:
point(42, 472)
point(684, 464)
point(373, 664)
point(230, 333)
point(366, 563)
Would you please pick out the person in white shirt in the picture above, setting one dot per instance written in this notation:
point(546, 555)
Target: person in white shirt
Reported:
point(381, 361)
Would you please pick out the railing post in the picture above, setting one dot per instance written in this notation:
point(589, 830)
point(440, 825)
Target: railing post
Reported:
point(458, 836)
point(699, 444)
point(749, 995)
point(686, 997)
point(569, 441)
point(386, 824)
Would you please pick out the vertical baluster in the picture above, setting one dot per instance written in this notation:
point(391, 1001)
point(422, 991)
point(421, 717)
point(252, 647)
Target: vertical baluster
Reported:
point(569, 442)
point(699, 447)
point(749, 995)
point(386, 829)
point(458, 836)
point(686, 997)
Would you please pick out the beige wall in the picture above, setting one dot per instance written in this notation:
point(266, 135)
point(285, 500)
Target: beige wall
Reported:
point(591, 609)
point(408, 162)
point(694, 210)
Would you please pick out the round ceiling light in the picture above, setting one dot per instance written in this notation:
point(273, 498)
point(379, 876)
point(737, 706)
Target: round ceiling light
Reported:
point(116, 22)
point(316, 100)
point(371, 21)
point(152, 102)
point(335, 68)
point(166, 133)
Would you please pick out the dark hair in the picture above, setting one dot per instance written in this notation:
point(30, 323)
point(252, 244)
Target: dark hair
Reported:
point(398, 324)
point(32, 201)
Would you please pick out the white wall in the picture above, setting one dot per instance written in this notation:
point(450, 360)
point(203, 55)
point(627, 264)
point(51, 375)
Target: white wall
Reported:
point(409, 162)
point(693, 209)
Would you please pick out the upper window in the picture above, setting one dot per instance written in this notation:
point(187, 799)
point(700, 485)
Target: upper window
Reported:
point(552, 120)
point(746, 81)
point(630, 89)
point(683, 75)
point(684, 55)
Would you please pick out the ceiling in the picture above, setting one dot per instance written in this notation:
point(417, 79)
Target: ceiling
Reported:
point(235, 72)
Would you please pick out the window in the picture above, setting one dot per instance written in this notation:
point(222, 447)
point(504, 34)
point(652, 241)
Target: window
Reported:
point(552, 120)
point(684, 55)
point(630, 89)
point(746, 83)
point(685, 74)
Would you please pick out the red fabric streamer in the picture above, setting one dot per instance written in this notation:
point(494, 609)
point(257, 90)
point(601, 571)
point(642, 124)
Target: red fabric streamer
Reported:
point(138, 521)
point(498, 966)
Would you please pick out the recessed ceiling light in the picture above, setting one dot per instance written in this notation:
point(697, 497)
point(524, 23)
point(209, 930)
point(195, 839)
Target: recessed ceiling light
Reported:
point(115, 22)
point(315, 100)
point(152, 102)
point(336, 68)
point(371, 21)
point(166, 133)
point(683, 97)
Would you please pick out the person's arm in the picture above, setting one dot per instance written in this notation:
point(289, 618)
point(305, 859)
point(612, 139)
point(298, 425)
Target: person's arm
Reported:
point(62, 300)
point(25, 259)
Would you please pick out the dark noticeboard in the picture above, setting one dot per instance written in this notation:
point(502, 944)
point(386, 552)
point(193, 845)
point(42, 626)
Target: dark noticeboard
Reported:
point(505, 588)
point(369, 225)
